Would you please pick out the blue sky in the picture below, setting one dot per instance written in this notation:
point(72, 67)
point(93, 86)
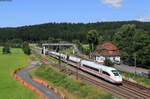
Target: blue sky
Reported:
point(28, 12)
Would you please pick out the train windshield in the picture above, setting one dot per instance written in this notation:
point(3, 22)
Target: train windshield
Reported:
point(115, 72)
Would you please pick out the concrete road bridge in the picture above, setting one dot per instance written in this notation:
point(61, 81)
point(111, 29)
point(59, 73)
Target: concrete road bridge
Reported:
point(59, 45)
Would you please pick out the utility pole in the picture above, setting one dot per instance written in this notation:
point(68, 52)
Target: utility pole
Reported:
point(59, 58)
point(77, 71)
point(135, 62)
point(44, 50)
point(134, 46)
point(66, 64)
point(60, 63)
point(78, 66)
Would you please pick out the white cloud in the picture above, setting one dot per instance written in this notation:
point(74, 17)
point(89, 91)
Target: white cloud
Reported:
point(113, 3)
point(144, 18)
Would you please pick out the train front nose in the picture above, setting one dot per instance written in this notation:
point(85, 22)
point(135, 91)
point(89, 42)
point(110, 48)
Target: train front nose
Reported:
point(119, 79)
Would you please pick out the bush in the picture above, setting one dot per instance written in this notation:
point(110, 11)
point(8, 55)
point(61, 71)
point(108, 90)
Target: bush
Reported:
point(6, 49)
point(108, 62)
point(85, 49)
point(26, 48)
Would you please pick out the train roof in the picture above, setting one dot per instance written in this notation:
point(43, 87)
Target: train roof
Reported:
point(86, 62)
point(96, 65)
point(75, 58)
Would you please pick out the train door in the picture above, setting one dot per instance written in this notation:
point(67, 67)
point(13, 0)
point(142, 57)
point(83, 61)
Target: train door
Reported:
point(100, 71)
point(106, 75)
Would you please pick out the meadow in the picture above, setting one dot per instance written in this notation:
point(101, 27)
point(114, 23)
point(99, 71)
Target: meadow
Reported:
point(72, 88)
point(9, 87)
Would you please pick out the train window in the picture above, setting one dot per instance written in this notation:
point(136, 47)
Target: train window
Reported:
point(91, 68)
point(72, 61)
point(105, 73)
point(115, 72)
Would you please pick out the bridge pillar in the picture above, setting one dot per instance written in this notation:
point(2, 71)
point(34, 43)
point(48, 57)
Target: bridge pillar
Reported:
point(44, 50)
point(73, 51)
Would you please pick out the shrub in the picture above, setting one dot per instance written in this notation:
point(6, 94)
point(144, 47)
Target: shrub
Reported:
point(26, 48)
point(108, 62)
point(6, 49)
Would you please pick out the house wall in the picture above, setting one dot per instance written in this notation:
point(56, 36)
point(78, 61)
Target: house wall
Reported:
point(117, 58)
point(101, 59)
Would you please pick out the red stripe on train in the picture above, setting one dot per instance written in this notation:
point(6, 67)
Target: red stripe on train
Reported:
point(92, 71)
point(95, 72)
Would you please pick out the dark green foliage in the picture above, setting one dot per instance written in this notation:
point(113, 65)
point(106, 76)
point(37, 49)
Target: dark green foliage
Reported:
point(108, 62)
point(65, 31)
point(132, 41)
point(78, 43)
point(92, 38)
point(15, 43)
point(6, 49)
point(85, 49)
point(54, 40)
point(26, 48)
point(107, 31)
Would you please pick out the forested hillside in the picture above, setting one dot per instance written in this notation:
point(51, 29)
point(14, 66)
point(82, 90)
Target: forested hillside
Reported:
point(131, 37)
point(66, 31)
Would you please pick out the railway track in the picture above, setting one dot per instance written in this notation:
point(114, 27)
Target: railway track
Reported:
point(128, 90)
point(122, 91)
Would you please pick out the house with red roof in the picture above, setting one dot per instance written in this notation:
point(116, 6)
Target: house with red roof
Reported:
point(106, 50)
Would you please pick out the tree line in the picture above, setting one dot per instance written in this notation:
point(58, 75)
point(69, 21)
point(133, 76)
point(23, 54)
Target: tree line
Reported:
point(131, 37)
point(133, 44)
point(24, 45)
point(65, 31)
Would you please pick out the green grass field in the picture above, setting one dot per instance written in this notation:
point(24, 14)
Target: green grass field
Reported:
point(72, 88)
point(9, 87)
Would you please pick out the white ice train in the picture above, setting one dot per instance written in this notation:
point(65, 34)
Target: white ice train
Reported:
point(108, 73)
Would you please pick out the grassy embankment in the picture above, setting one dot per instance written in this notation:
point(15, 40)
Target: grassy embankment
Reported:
point(73, 89)
point(9, 87)
point(139, 79)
